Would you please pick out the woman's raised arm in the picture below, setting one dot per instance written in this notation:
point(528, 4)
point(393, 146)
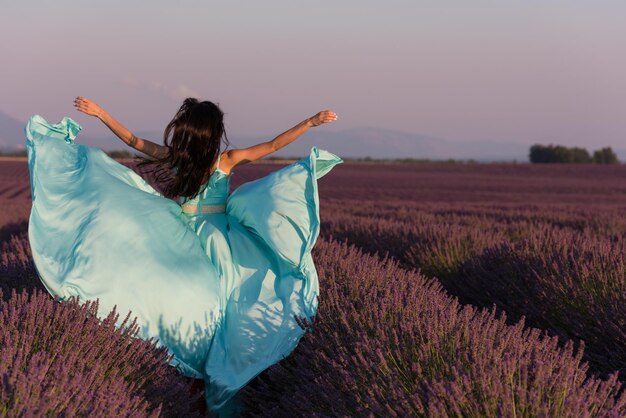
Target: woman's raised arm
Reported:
point(147, 147)
point(234, 157)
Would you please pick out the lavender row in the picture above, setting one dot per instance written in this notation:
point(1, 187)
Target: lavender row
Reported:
point(391, 342)
point(565, 275)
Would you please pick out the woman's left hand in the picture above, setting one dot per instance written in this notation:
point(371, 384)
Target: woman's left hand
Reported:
point(87, 106)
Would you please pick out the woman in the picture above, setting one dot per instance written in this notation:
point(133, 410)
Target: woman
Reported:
point(221, 281)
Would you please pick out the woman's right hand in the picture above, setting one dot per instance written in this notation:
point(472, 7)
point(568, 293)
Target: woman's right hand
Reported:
point(88, 107)
point(324, 116)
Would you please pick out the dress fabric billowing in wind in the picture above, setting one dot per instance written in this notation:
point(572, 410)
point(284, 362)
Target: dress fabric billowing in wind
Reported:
point(219, 290)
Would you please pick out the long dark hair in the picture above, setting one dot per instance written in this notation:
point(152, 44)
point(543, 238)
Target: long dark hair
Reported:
point(193, 141)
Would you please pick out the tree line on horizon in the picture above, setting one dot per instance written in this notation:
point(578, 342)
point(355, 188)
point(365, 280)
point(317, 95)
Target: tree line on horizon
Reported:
point(561, 154)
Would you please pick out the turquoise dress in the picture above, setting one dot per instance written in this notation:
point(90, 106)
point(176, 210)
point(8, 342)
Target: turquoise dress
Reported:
point(219, 280)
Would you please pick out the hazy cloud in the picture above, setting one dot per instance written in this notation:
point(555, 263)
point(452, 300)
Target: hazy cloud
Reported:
point(176, 93)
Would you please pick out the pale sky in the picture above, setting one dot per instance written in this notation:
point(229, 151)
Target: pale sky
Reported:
point(512, 71)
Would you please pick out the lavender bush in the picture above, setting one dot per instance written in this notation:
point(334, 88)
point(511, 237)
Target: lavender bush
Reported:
point(573, 285)
point(59, 359)
point(17, 270)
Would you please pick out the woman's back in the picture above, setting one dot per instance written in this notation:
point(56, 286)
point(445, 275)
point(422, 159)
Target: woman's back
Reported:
point(212, 196)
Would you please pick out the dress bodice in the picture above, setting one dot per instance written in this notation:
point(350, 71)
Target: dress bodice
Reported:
point(216, 190)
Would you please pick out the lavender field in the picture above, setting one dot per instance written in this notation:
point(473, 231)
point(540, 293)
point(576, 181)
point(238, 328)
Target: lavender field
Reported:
point(446, 290)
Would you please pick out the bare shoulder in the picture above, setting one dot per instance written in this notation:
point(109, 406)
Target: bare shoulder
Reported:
point(226, 162)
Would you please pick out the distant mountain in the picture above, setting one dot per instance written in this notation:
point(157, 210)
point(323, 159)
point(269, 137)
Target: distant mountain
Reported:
point(348, 143)
point(11, 132)
point(388, 143)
